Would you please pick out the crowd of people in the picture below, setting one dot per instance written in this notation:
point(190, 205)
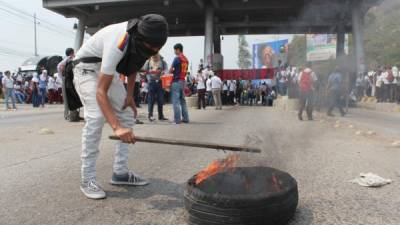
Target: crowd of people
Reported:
point(382, 83)
point(131, 48)
point(36, 90)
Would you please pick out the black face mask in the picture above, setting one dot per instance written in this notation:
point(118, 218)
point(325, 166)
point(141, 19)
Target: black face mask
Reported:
point(142, 50)
point(152, 29)
point(136, 56)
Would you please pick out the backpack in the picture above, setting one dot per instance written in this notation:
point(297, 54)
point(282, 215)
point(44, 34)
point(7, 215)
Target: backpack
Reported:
point(73, 100)
point(305, 83)
point(390, 76)
point(163, 63)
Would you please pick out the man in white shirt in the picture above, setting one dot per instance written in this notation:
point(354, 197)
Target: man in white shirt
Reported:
point(70, 55)
point(210, 100)
point(386, 84)
point(379, 86)
point(207, 72)
point(201, 89)
point(51, 86)
point(232, 89)
point(216, 85)
point(59, 88)
point(225, 92)
point(8, 90)
point(396, 83)
point(121, 48)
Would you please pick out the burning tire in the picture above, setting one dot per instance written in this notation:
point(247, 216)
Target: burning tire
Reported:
point(242, 196)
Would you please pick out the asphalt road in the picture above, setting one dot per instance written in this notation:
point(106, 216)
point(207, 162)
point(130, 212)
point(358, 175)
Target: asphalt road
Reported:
point(40, 174)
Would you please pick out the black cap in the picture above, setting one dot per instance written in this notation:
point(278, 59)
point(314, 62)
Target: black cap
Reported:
point(154, 29)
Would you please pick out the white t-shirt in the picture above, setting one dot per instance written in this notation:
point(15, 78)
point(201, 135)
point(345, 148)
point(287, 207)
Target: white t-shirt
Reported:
point(145, 87)
point(58, 82)
point(216, 82)
point(110, 44)
point(379, 81)
point(62, 64)
point(384, 76)
point(225, 87)
point(51, 84)
point(19, 78)
point(17, 87)
point(395, 71)
point(232, 86)
point(208, 85)
point(207, 73)
point(200, 81)
point(7, 82)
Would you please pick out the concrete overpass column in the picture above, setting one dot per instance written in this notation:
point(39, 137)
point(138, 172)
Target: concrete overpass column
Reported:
point(209, 33)
point(341, 36)
point(358, 37)
point(80, 33)
point(217, 43)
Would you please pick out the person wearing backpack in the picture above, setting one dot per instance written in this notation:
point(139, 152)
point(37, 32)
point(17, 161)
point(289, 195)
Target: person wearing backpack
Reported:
point(307, 79)
point(70, 55)
point(155, 67)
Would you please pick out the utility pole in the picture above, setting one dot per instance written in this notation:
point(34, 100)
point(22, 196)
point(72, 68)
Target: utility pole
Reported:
point(34, 28)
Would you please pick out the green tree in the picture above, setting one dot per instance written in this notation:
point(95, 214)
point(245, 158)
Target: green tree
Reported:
point(297, 55)
point(244, 56)
point(382, 32)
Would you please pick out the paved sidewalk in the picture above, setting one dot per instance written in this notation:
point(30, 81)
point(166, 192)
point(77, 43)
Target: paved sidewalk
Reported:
point(40, 174)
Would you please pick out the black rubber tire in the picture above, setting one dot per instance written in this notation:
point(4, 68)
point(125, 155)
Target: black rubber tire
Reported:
point(213, 209)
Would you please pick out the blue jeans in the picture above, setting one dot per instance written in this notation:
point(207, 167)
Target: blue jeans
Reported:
point(10, 94)
point(35, 98)
point(42, 93)
point(179, 102)
point(156, 93)
point(20, 97)
point(210, 100)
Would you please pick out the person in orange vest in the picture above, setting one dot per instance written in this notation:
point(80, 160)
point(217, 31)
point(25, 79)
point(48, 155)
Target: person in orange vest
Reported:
point(307, 80)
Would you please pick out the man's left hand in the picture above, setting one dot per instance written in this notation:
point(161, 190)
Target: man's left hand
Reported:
point(129, 102)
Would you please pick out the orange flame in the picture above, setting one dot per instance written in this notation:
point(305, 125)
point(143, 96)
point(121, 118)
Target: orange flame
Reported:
point(215, 167)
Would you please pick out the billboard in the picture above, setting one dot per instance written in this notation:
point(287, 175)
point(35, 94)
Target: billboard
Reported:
point(322, 46)
point(269, 54)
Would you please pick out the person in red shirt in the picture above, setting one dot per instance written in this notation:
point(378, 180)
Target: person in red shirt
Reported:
point(307, 79)
point(179, 69)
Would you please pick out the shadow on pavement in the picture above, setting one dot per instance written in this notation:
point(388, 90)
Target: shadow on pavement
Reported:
point(303, 216)
point(170, 194)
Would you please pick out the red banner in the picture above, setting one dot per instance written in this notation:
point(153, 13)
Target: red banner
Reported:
point(251, 74)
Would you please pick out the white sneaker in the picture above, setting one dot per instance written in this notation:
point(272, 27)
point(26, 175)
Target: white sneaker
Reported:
point(92, 190)
point(128, 179)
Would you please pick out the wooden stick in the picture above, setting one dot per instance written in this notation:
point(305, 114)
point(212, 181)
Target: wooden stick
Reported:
point(234, 148)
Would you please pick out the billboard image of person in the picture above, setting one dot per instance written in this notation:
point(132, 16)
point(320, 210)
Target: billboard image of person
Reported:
point(269, 54)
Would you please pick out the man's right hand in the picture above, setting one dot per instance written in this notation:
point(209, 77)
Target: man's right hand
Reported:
point(125, 134)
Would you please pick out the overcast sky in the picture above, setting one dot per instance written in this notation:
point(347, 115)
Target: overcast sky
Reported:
point(55, 33)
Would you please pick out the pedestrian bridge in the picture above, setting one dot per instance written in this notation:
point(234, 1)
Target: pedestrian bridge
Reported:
point(213, 18)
